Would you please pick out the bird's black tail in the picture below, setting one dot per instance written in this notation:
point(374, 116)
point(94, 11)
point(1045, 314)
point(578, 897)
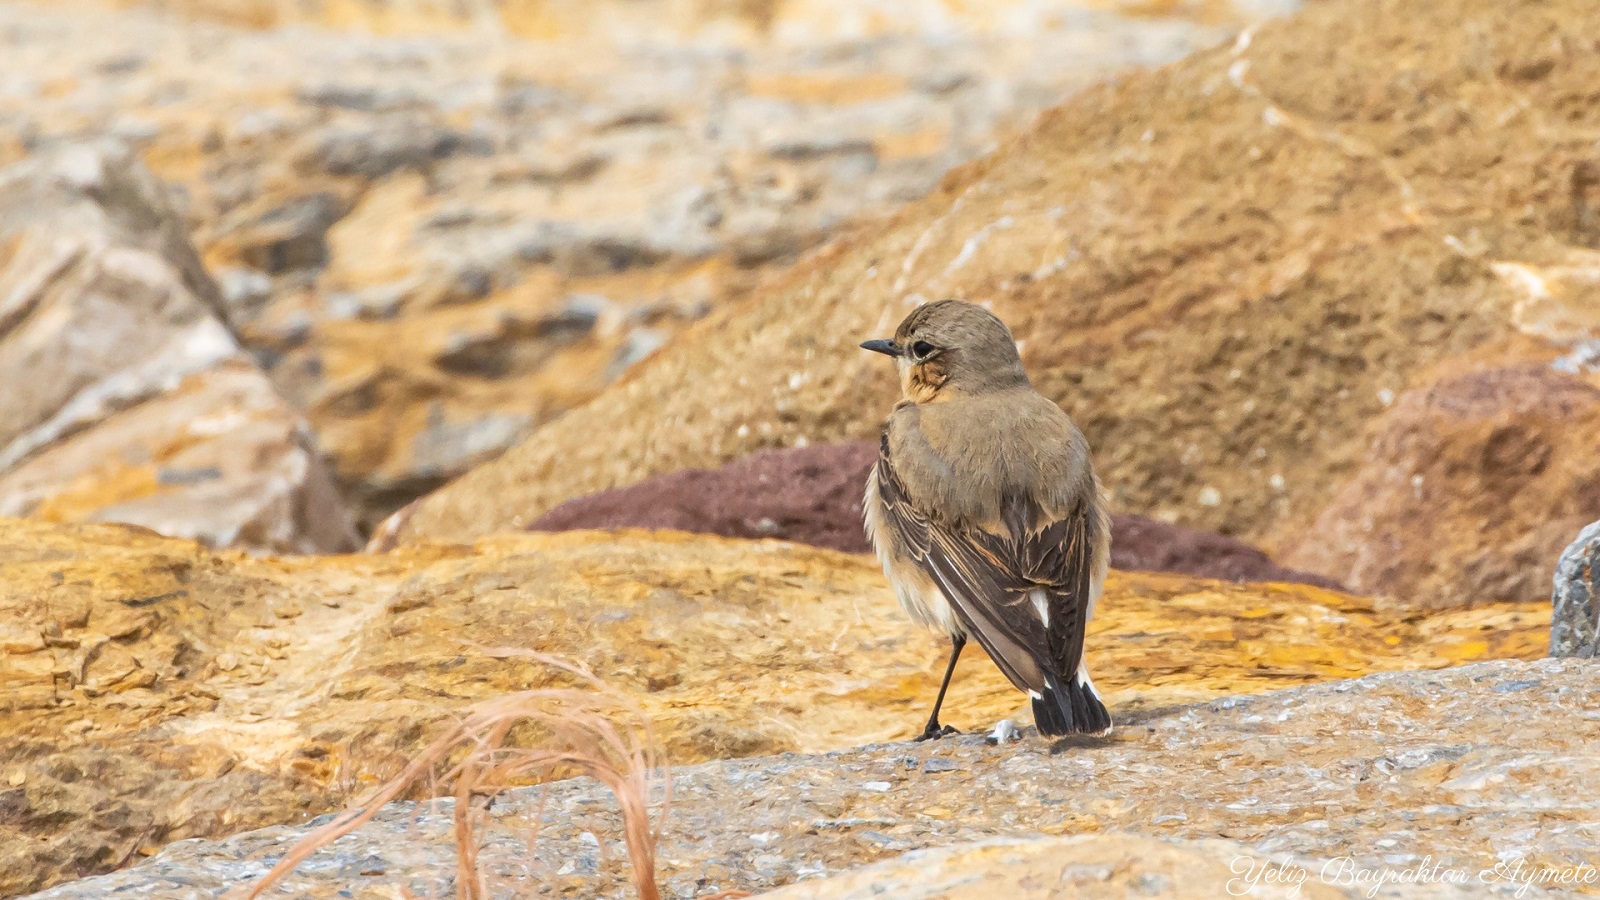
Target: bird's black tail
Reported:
point(1070, 707)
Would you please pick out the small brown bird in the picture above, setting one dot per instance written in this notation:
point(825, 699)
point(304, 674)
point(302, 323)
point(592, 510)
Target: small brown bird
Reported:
point(986, 512)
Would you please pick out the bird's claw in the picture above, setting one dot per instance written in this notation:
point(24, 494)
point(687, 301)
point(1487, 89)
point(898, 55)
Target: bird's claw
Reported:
point(933, 734)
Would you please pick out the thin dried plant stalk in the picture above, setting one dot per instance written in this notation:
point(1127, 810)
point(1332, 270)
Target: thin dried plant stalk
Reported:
point(584, 738)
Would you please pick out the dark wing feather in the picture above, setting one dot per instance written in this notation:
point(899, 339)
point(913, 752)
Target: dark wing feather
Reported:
point(1067, 557)
point(987, 578)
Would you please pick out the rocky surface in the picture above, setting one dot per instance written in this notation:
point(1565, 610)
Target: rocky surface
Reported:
point(635, 22)
point(152, 691)
point(813, 495)
point(1457, 771)
point(1113, 866)
point(1575, 618)
point(440, 238)
point(1140, 544)
point(810, 495)
point(127, 395)
point(1488, 462)
point(1335, 275)
point(1228, 271)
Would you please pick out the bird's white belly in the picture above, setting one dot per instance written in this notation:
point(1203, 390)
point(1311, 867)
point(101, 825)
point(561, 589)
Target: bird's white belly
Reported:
point(920, 597)
point(915, 590)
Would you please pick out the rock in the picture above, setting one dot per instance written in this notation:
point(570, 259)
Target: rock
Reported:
point(128, 397)
point(1167, 252)
point(434, 172)
point(153, 691)
point(1487, 459)
point(1478, 776)
point(813, 495)
point(291, 236)
point(809, 495)
point(244, 292)
point(391, 146)
point(1104, 866)
point(1575, 622)
point(1140, 544)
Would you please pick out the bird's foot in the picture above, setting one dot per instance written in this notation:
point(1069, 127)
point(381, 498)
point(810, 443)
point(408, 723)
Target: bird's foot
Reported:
point(933, 732)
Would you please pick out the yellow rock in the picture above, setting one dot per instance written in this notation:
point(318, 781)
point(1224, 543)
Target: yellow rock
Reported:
point(171, 673)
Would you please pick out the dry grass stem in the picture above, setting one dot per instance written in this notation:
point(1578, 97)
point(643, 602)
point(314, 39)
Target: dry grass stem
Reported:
point(591, 730)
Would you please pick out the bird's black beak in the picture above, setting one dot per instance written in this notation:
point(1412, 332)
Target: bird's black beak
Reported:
point(887, 348)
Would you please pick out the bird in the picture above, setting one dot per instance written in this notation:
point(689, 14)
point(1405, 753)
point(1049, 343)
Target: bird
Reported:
point(986, 512)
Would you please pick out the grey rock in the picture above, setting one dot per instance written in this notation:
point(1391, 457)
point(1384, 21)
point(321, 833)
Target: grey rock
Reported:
point(391, 145)
point(587, 307)
point(640, 343)
point(1585, 357)
point(448, 446)
point(292, 235)
point(518, 97)
point(359, 97)
point(559, 170)
point(640, 116)
point(1575, 620)
point(802, 149)
point(1352, 768)
point(379, 302)
point(1119, 865)
point(244, 292)
point(601, 254)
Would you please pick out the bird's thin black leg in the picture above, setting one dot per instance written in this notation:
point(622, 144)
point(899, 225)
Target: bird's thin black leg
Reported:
point(933, 732)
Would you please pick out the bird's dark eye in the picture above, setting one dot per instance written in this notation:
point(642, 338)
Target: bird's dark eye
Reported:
point(922, 349)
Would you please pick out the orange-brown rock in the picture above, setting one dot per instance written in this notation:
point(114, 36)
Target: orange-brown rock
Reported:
point(152, 690)
point(126, 394)
point(1225, 270)
point(1470, 489)
point(442, 237)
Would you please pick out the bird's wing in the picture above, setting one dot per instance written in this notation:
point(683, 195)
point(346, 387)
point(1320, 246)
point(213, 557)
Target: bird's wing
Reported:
point(990, 579)
point(1059, 556)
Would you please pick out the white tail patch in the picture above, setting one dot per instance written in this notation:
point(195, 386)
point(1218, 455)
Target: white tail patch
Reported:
point(1084, 679)
point(1041, 602)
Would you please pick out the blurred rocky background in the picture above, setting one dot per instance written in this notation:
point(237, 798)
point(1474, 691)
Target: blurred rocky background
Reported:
point(1332, 289)
point(555, 305)
point(437, 226)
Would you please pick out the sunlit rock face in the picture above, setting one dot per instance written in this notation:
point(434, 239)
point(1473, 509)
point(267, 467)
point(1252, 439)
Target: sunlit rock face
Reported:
point(441, 225)
point(126, 394)
point(153, 690)
point(1229, 271)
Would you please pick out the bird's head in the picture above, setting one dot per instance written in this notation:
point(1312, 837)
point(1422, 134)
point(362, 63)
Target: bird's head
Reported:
point(948, 348)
